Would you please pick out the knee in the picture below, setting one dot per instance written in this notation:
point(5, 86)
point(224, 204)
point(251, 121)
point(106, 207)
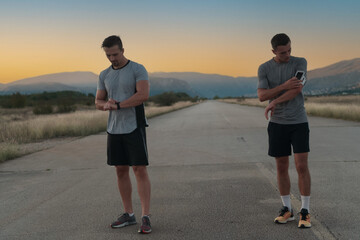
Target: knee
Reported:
point(140, 171)
point(282, 169)
point(302, 168)
point(122, 171)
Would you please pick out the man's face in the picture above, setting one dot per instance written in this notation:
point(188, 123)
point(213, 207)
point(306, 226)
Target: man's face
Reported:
point(282, 53)
point(115, 55)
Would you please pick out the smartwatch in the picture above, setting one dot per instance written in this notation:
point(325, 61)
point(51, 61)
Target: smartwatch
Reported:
point(118, 105)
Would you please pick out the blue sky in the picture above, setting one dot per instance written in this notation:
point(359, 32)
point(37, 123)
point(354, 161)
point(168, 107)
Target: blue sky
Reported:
point(225, 37)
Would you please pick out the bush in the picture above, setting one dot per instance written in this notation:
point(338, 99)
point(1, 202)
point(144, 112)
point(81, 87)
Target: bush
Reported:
point(63, 108)
point(169, 98)
point(66, 106)
point(165, 99)
point(16, 100)
point(43, 109)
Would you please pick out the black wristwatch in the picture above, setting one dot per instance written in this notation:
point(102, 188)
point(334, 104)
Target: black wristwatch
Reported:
point(118, 105)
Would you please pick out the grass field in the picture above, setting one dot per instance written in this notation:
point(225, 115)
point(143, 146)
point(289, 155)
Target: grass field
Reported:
point(340, 107)
point(22, 132)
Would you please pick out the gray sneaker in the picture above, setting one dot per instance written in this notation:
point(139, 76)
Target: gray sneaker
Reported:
point(145, 226)
point(123, 221)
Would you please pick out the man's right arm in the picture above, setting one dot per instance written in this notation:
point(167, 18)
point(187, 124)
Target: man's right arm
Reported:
point(268, 94)
point(100, 99)
point(265, 92)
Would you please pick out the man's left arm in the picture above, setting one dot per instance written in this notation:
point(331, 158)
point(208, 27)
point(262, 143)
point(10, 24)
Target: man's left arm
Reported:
point(287, 96)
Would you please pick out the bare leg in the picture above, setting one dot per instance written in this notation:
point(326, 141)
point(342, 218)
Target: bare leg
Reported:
point(282, 165)
point(125, 188)
point(301, 162)
point(144, 188)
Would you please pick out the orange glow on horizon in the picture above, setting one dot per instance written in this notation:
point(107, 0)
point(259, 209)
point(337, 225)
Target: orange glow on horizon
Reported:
point(240, 68)
point(232, 59)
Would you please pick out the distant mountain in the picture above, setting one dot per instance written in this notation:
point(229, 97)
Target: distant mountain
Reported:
point(36, 88)
point(210, 85)
point(342, 67)
point(67, 78)
point(85, 82)
point(341, 77)
point(159, 85)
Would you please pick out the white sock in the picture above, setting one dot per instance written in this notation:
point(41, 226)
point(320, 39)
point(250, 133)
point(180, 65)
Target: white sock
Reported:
point(305, 202)
point(131, 214)
point(286, 201)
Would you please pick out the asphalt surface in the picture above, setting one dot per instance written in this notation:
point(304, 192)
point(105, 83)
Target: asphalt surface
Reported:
point(211, 179)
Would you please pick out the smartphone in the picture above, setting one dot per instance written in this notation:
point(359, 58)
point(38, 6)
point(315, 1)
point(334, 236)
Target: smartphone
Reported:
point(301, 76)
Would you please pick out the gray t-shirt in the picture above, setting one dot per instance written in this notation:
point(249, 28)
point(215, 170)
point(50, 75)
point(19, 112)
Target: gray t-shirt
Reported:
point(120, 84)
point(271, 74)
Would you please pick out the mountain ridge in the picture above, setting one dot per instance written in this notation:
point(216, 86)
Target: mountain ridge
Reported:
point(82, 77)
point(337, 77)
point(345, 66)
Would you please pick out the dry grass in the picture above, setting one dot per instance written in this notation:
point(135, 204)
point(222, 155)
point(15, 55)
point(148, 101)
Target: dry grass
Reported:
point(340, 107)
point(18, 130)
point(152, 110)
point(246, 101)
point(9, 151)
point(349, 112)
point(353, 99)
point(51, 126)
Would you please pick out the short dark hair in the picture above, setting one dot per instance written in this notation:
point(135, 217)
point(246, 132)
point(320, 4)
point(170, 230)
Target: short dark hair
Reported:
point(112, 41)
point(280, 39)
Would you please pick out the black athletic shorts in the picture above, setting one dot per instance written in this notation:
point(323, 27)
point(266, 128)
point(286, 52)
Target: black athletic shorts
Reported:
point(283, 136)
point(127, 149)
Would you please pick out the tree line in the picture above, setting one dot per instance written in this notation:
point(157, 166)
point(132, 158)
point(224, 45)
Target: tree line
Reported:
point(48, 102)
point(66, 101)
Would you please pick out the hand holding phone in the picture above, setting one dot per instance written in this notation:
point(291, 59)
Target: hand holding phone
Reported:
point(301, 76)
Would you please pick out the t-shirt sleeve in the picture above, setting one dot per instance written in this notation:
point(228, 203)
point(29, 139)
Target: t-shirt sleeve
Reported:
point(302, 66)
point(101, 84)
point(263, 81)
point(141, 73)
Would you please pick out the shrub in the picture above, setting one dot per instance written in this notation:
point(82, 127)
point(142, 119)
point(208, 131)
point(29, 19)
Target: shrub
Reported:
point(43, 109)
point(165, 99)
point(63, 108)
point(169, 98)
point(66, 106)
point(16, 100)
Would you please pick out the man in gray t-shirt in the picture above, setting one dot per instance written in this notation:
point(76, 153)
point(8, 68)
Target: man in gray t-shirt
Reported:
point(122, 89)
point(288, 126)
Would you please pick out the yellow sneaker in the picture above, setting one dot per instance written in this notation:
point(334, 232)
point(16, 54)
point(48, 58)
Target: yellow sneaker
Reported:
point(304, 221)
point(284, 216)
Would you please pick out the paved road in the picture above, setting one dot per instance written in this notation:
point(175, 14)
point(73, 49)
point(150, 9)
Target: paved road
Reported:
point(211, 179)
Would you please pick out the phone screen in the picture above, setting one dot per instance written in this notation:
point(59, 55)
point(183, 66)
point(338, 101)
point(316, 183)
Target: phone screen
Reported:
point(299, 75)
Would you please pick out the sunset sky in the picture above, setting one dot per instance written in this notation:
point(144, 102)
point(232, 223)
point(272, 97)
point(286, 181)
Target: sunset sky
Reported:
point(228, 37)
